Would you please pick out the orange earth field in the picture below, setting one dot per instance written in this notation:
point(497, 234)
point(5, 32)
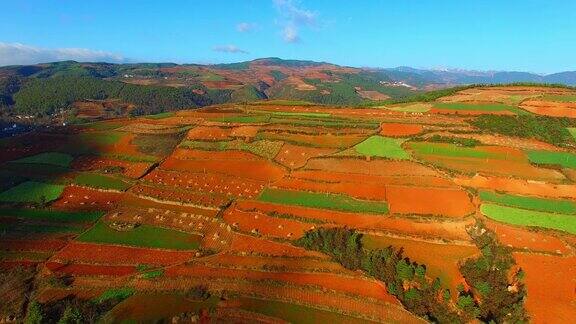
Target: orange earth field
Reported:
point(234, 189)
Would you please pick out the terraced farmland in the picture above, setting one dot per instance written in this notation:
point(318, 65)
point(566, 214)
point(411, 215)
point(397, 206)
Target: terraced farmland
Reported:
point(277, 211)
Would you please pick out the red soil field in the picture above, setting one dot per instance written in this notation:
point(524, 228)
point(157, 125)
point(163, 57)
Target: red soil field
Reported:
point(132, 201)
point(384, 311)
point(229, 155)
point(321, 140)
point(131, 169)
point(244, 131)
point(265, 225)
point(335, 177)
point(469, 112)
point(375, 167)
point(294, 156)
point(119, 255)
point(452, 230)
point(521, 238)
point(208, 133)
point(260, 246)
point(256, 169)
point(45, 245)
point(91, 270)
point(441, 260)
point(551, 285)
point(18, 264)
point(209, 183)
point(510, 142)
point(349, 284)
point(523, 187)
point(496, 167)
point(288, 264)
point(76, 198)
point(400, 130)
point(429, 201)
point(184, 197)
point(549, 108)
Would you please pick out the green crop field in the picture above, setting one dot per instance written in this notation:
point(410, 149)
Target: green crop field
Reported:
point(481, 107)
point(161, 115)
point(130, 158)
point(142, 236)
point(572, 131)
point(25, 230)
point(563, 159)
point(50, 158)
point(532, 203)
point(414, 108)
point(301, 114)
point(323, 201)
point(95, 180)
point(559, 98)
point(51, 215)
point(295, 313)
point(264, 148)
point(244, 119)
point(452, 150)
point(524, 217)
point(30, 191)
point(380, 146)
point(100, 138)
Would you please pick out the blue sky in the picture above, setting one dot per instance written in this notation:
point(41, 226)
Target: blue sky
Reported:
point(524, 35)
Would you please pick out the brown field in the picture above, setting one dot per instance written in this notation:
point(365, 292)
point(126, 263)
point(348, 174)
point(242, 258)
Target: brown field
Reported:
point(258, 169)
point(355, 285)
point(246, 244)
point(376, 167)
point(525, 239)
point(548, 108)
point(129, 169)
point(321, 140)
point(523, 187)
point(83, 198)
point(262, 224)
point(208, 133)
point(90, 269)
point(88, 253)
point(294, 156)
point(337, 177)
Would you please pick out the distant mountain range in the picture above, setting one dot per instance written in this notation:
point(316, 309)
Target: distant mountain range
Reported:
point(41, 90)
point(423, 77)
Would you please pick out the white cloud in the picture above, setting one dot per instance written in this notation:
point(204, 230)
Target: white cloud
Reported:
point(245, 27)
point(229, 49)
point(294, 16)
point(20, 54)
point(290, 34)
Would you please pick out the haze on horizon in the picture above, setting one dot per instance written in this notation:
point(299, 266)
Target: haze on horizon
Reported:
point(531, 35)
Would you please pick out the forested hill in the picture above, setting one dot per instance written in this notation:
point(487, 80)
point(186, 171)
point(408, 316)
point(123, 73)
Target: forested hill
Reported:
point(101, 90)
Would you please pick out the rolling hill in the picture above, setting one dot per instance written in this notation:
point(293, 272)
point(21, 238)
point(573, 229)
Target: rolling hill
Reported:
point(71, 90)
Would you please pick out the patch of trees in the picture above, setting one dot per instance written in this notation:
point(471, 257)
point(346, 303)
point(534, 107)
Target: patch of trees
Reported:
point(497, 292)
point(489, 299)
point(43, 97)
point(548, 129)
